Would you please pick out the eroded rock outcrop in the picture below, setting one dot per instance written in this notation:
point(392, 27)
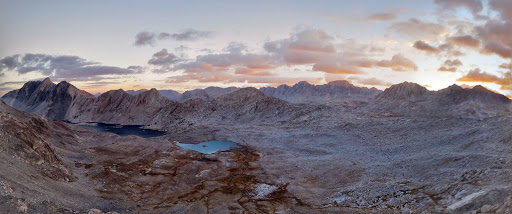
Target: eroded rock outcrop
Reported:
point(26, 138)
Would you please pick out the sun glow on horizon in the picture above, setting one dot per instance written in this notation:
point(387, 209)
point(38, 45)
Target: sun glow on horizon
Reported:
point(432, 43)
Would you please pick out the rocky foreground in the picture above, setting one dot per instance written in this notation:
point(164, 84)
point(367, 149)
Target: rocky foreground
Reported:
point(405, 149)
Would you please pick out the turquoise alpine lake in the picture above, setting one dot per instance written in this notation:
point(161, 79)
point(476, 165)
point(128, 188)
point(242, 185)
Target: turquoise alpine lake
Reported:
point(210, 147)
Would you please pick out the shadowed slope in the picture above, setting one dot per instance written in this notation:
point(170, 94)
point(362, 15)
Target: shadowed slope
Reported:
point(45, 98)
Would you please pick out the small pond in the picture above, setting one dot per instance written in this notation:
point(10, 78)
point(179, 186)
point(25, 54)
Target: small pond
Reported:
point(210, 147)
point(123, 130)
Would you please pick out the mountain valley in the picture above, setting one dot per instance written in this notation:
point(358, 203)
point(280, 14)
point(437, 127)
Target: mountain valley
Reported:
point(333, 148)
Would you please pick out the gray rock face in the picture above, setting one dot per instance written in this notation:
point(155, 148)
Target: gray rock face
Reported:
point(333, 92)
point(217, 91)
point(45, 98)
point(119, 107)
point(150, 108)
point(132, 92)
point(411, 98)
point(25, 138)
point(207, 93)
point(402, 91)
point(456, 95)
point(212, 105)
point(195, 94)
point(171, 94)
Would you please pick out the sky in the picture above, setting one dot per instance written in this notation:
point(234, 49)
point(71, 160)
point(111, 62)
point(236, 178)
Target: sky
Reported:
point(104, 45)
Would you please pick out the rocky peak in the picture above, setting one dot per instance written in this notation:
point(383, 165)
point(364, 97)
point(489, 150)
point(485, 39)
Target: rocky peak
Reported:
point(457, 94)
point(340, 83)
point(403, 90)
point(302, 83)
point(454, 87)
point(153, 94)
point(46, 83)
point(218, 91)
point(480, 88)
point(283, 86)
point(248, 99)
point(132, 92)
point(249, 91)
point(488, 96)
point(194, 94)
point(152, 91)
point(114, 94)
point(171, 94)
point(451, 89)
point(150, 97)
point(47, 80)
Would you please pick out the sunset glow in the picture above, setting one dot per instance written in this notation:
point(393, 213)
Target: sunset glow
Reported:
point(170, 45)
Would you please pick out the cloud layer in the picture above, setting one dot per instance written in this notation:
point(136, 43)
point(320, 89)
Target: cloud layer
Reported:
point(476, 75)
point(145, 38)
point(61, 67)
point(380, 17)
point(416, 28)
point(312, 48)
point(475, 6)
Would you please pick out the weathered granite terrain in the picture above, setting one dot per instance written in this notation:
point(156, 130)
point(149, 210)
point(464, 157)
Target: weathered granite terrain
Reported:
point(333, 92)
point(406, 150)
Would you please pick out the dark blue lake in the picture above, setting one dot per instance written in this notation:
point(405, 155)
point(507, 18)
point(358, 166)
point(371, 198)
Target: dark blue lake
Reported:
point(123, 130)
point(210, 147)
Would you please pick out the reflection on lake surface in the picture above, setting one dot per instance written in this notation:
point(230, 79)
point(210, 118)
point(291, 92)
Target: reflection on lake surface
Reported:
point(210, 147)
point(123, 130)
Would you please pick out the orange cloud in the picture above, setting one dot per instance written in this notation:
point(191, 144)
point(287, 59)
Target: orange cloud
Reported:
point(254, 71)
point(476, 75)
point(419, 29)
point(398, 63)
point(309, 47)
point(450, 65)
point(453, 63)
point(507, 66)
point(464, 41)
point(497, 48)
point(447, 69)
point(450, 50)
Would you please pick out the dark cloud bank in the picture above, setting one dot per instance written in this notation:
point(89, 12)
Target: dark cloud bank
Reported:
point(61, 67)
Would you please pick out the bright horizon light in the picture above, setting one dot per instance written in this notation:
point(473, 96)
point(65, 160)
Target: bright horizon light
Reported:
point(100, 46)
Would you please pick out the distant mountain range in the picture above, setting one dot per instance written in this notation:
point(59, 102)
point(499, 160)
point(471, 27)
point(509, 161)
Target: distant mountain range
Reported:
point(152, 108)
point(336, 91)
point(407, 98)
point(302, 92)
point(171, 94)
